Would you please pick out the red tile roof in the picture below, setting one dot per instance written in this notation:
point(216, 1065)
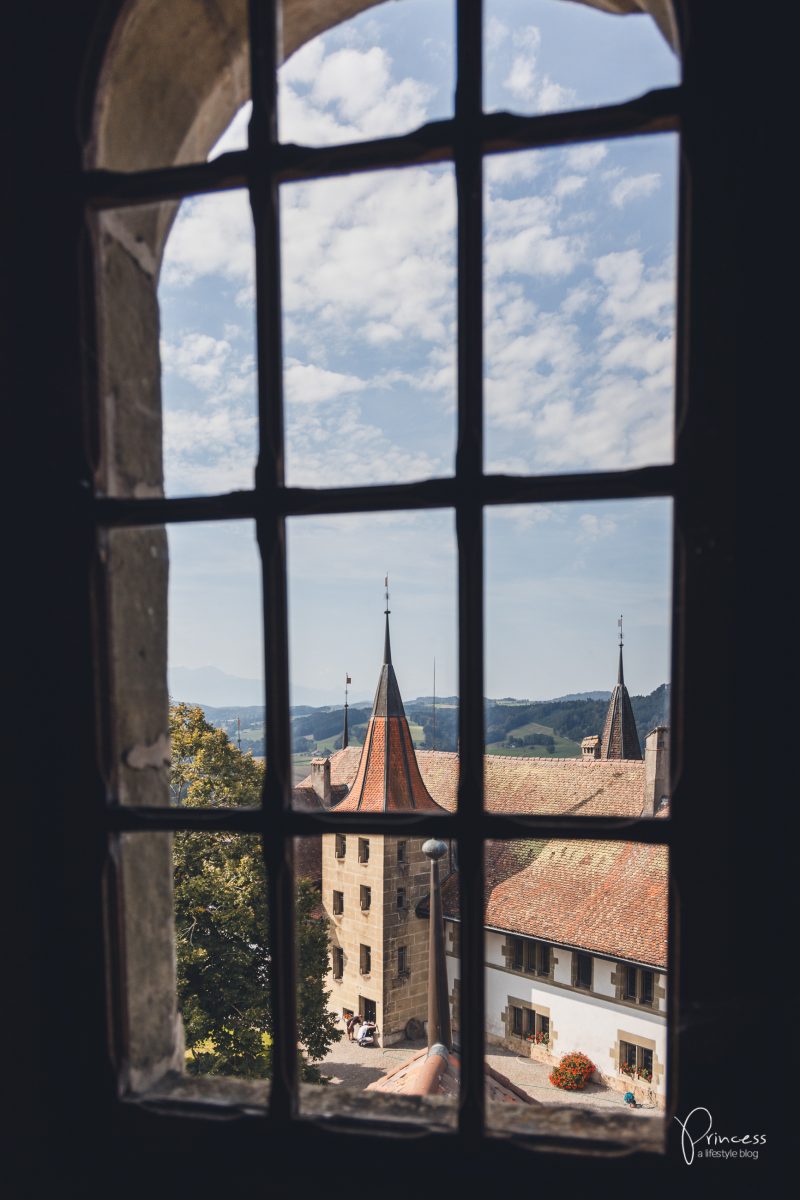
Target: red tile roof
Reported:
point(566, 786)
point(430, 1073)
point(609, 897)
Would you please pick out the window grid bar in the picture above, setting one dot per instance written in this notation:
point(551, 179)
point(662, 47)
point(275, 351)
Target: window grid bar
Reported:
point(654, 112)
point(270, 528)
point(469, 529)
point(470, 135)
point(493, 826)
point(428, 493)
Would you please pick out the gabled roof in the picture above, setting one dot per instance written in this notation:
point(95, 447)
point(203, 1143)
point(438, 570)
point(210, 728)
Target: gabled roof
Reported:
point(606, 897)
point(570, 786)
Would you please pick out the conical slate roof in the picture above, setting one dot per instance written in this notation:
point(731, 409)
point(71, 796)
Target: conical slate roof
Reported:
point(388, 777)
point(620, 739)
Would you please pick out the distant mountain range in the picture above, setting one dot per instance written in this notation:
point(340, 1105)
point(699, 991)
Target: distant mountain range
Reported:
point(211, 687)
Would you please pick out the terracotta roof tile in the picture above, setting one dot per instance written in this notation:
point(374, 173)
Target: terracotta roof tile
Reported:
point(610, 897)
point(431, 1074)
point(566, 786)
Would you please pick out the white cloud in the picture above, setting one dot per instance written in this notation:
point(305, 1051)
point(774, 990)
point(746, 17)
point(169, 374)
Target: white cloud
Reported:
point(586, 157)
point(634, 188)
point(307, 384)
point(568, 185)
point(212, 235)
point(198, 358)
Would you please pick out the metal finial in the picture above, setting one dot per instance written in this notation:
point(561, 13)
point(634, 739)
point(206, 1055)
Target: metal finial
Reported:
point(619, 623)
point(386, 590)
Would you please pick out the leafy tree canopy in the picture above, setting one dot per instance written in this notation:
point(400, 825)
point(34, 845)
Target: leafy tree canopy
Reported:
point(221, 918)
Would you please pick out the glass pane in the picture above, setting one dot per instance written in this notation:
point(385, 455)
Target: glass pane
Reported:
point(192, 916)
point(185, 664)
point(542, 56)
point(223, 956)
point(174, 77)
point(369, 292)
point(549, 1040)
point(580, 307)
point(385, 72)
point(207, 303)
point(176, 348)
point(364, 973)
point(337, 644)
point(570, 727)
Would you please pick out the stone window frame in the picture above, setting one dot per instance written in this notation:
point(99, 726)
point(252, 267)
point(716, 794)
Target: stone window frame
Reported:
point(365, 897)
point(337, 903)
point(403, 968)
point(363, 850)
point(364, 959)
point(640, 1043)
point(402, 853)
point(337, 961)
point(619, 983)
point(402, 899)
point(533, 1014)
point(283, 827)
point(340, 846)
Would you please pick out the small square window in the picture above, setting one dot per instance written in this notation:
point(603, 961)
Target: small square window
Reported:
point(365, 960)
point(401, 897)
point(338, 903)
point(340, 847)
point(401, 852)
point(366, 898)
point(363, 850)
point(338, 962)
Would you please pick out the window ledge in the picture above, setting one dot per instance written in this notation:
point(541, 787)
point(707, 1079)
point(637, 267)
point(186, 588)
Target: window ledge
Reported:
point(588, 1131)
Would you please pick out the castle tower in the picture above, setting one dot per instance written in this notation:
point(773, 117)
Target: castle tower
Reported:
point(372, 884)
point(620, 739)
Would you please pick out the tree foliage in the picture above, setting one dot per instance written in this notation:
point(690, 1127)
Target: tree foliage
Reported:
point(224, 962)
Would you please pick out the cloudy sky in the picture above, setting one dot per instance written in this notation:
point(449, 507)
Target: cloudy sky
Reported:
point(579, 313)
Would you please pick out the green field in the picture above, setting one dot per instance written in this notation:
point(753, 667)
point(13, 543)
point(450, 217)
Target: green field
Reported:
point(564, 747)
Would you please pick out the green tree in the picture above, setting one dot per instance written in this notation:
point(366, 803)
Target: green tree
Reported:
point(221, 918)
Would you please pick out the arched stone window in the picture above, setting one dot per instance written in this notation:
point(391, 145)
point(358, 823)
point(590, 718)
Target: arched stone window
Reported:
point(172, 78)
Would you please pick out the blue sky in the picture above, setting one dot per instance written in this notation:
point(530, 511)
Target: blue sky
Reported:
point(579, 314)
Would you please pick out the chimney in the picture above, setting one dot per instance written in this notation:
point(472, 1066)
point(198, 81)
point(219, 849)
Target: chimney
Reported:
point(656, 770)
point(590, 747)
point(321, 779)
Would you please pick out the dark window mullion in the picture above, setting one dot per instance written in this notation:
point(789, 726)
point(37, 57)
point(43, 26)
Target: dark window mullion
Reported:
point(270, 524)
point(429, 493)
point(469, 528)
point(657, 111)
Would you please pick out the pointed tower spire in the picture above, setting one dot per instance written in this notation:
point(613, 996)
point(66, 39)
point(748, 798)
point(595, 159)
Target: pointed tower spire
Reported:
point(345, 733)
point(620, 738)
point(388, 778)
point(387, 645)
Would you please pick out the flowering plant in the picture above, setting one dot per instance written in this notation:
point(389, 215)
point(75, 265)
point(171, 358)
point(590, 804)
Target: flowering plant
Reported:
point(573, 1072)
point(627, 1069)
point(539, 1039)
point(644, 1074)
